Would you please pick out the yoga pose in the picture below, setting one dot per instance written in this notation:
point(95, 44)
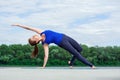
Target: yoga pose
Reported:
point(60, 39)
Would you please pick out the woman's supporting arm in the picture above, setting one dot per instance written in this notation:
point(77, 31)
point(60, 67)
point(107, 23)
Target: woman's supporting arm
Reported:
point(46, 51)
point(29, 28)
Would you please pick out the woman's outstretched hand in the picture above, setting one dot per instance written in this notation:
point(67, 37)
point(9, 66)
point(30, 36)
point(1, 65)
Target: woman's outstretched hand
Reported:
point(28, 28)
point(15, 25)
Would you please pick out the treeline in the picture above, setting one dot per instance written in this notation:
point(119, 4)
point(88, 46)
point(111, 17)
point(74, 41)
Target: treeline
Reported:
point(20, 55)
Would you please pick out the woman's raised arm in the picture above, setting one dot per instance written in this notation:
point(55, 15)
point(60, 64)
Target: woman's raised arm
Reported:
point(29, 28)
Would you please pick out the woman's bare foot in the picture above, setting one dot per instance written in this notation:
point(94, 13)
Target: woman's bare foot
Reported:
point(71, 67)
point(93, 67)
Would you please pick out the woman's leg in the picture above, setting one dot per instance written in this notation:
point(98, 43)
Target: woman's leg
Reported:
point(71, 62)
point(67, 44)
point(77, 47)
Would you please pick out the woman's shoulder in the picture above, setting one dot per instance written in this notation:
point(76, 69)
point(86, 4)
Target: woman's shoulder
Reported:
point(45, 31)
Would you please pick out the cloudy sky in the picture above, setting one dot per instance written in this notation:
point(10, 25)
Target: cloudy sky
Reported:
point(90, 22)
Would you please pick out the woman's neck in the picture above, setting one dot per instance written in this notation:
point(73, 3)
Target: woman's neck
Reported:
point(42, 37)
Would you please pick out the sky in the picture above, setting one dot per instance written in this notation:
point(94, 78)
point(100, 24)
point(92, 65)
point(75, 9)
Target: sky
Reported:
point(90, 22)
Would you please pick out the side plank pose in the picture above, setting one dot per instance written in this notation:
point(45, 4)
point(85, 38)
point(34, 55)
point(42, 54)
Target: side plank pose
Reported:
point(62, 40)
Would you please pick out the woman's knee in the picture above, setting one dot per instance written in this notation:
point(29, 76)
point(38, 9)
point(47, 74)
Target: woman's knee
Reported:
point(80, 49)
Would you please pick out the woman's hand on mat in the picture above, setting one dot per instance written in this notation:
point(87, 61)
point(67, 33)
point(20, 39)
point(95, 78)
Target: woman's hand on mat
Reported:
point(43, 67)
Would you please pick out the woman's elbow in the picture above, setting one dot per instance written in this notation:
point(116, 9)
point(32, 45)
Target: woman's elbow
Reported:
point(46, 56)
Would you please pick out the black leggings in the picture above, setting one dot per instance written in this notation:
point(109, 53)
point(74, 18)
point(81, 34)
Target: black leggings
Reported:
point(74, 48)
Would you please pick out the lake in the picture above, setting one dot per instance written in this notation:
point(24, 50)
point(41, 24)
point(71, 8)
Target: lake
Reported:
point(59, 73)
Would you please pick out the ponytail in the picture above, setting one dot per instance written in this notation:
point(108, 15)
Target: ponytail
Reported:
point(35, 51)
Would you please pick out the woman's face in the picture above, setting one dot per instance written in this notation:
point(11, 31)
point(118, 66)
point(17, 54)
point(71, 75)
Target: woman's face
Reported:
point(35, 38)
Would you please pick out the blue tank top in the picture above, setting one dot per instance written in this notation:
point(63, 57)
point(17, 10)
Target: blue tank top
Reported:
point(52, 37)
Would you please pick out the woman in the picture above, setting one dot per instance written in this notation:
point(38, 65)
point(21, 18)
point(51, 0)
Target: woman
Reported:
point(62, 40)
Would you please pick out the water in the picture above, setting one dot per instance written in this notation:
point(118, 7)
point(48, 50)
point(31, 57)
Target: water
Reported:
point(59, 73)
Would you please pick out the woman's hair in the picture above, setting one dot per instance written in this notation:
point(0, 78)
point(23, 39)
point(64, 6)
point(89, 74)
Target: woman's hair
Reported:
point(35, 51)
